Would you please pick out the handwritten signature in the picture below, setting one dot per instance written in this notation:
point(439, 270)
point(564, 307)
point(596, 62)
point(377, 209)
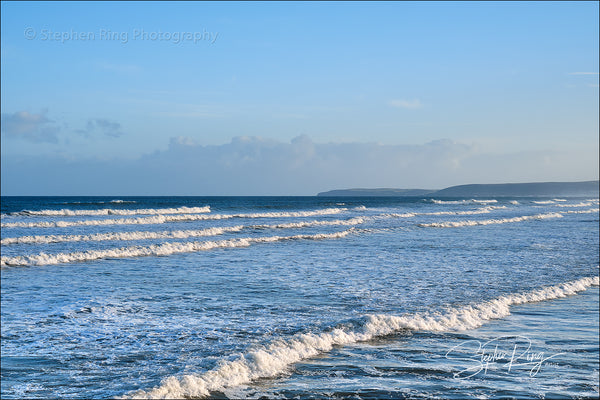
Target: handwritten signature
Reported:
point(510, 352)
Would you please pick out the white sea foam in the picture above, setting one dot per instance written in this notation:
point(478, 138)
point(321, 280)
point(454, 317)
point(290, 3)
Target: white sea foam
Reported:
point(275, 358)
point(179, 234)
point(582, 204)
point(544, 202)
point(112, 211)
point(163, 249)
point(515, 202)
point(396, 215)
point(483, 210)
point(471, 201)
point(590, 211)
point(559, 199)
point(161, 219)
point(448, 201)
point(305, 224)
point(455, 224)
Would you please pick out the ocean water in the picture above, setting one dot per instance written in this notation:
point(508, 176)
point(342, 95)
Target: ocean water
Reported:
point(299, 297)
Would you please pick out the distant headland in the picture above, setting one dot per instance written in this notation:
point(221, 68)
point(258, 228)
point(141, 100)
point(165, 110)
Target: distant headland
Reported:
point(535, 189)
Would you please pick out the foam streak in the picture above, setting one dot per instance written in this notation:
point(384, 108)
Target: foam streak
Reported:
point(590, 211)
point(161, 219)
point(483, 210)
point(120, 236)
point(163, 249)
point(181, 234)
point(112, 211)
point(582, 204)
point(471, 201)
point(456, 224)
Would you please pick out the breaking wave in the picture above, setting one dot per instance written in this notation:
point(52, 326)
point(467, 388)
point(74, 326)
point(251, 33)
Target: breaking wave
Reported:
point(397, 215)
point(120, 236)
point(273, 359)
point(455, 224)
point(591, 210)
point(163, 249)
point(582, 204)
point(471, 201)
point(180, 234)
point(351, 221)
point(161, 219)
point(111, 211)
point(483, 210)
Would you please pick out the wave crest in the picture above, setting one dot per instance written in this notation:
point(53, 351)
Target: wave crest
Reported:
point(471, 201)
point(456, 224)
point(181, 234)
point(161, 219)
point(163, 249)
point(65, 212)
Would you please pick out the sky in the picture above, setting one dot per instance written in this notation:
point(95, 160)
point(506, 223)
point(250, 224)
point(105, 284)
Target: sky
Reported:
point(294, 98)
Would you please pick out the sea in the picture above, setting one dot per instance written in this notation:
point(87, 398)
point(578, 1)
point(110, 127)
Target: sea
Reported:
point(299, 297)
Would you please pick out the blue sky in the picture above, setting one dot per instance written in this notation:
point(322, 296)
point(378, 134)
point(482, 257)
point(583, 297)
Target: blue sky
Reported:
point(106, 97)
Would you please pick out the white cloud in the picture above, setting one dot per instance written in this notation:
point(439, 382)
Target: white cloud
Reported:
point(407, 104)
point(260, 166)
point(31, 127)
point(182, 141)
point(103, 126)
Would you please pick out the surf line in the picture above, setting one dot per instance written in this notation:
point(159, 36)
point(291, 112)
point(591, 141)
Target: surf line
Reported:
point(180, 234)
point(161, 219)
point(483, 210)
point(456, 224)
point(163, 249)
point(113, 211)
point(274, 358)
